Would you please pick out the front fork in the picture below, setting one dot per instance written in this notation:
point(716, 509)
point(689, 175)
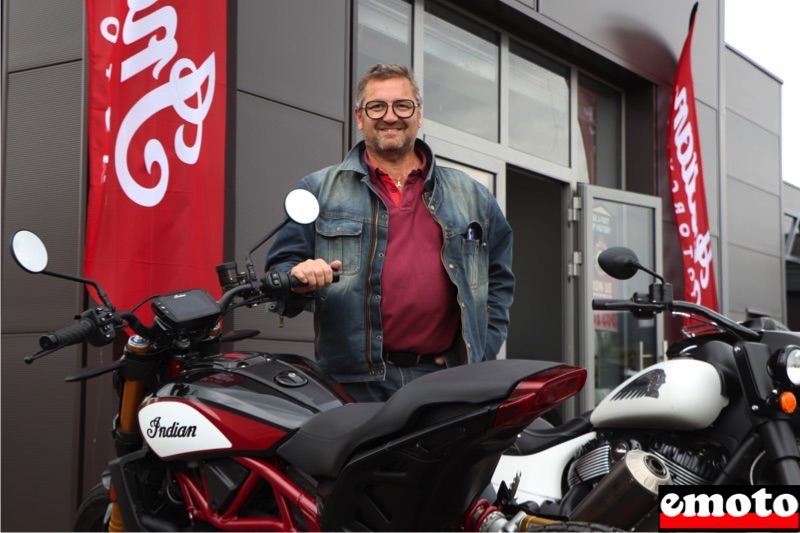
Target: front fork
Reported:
point(127, 436)
point(780, 444)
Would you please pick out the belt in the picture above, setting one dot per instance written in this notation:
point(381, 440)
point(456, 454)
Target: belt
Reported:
point(406, 359)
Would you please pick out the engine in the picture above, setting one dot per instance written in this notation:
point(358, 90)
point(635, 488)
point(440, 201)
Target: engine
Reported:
point(688, 461)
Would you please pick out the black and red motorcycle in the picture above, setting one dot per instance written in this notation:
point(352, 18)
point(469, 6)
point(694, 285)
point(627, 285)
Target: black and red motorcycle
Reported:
point(252, 441)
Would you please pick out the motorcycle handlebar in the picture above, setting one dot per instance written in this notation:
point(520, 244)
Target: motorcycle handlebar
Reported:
point(645, 308)
point(275, 284)
point(625, 305)
point(69, 335)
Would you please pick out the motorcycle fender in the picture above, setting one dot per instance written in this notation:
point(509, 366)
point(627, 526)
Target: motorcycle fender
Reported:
point(541, 473)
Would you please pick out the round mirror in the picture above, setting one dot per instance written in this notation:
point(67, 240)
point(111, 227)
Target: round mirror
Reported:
point(29, 251)
point(619, 262)
point(301, 206)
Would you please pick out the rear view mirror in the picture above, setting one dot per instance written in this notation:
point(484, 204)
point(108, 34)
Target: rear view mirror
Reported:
point(301, 206)
point(29, 251)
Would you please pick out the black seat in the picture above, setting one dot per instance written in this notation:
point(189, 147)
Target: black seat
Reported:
point(323, 444)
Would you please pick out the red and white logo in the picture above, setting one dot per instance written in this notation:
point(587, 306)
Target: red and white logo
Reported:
point(728, 508)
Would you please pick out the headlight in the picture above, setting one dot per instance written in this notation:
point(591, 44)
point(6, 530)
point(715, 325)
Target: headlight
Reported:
point(793, 366)
point(788, 364)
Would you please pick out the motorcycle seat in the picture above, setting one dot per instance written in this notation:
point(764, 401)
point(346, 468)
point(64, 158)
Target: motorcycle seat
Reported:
point(323, 444)
point(538, 436)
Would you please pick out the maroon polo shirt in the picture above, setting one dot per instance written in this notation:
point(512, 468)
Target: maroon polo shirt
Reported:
point(419, 310)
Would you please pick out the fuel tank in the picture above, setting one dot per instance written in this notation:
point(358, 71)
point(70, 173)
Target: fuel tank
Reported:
point(679, 394)
point(233, 403)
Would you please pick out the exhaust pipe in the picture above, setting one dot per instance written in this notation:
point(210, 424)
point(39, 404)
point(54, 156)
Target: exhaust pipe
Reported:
point(626, 493)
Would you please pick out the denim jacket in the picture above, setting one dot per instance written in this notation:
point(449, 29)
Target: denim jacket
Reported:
point(353, 226)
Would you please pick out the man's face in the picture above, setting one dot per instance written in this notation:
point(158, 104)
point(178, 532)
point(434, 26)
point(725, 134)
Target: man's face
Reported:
point(389, 136)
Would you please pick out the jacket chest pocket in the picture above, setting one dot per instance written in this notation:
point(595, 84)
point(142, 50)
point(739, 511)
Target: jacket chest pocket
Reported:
point(340, 239)
point(476, 263)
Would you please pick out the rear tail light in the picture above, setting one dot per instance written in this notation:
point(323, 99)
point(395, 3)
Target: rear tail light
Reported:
point(538, 394)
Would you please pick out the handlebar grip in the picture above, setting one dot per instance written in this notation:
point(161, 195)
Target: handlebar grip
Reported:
point(294, 282)
point(612, 305)
point(69, 335)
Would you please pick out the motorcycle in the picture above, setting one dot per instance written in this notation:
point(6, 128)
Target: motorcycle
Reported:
point(235, 441)
point(720, 410)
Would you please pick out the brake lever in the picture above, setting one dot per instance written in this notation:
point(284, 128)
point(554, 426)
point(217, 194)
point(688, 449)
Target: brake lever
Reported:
point(38, 355)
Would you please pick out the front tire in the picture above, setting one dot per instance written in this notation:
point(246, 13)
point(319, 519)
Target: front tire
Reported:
point(95, 510)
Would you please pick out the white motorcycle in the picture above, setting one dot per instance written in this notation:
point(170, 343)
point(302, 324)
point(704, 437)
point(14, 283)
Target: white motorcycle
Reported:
point(719, 411)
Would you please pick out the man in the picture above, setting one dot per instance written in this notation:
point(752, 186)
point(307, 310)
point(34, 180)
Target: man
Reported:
point(423, 251)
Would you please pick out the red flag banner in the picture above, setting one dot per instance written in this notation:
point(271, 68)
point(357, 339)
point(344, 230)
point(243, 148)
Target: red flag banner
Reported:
point(686, 179)
point(156, 129)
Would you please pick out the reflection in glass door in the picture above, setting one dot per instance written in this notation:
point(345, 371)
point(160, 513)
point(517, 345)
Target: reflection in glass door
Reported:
point(616, 345)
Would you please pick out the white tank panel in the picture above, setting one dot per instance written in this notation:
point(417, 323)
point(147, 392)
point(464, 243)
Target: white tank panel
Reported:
point(680, 394)
point(174, 428)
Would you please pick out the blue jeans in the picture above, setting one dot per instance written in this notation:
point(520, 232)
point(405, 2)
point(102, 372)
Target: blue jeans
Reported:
point(396, 377)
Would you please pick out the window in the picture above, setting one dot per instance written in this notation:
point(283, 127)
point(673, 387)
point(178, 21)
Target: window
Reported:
point(464, 86)
point(791, 240)
point(384, 34)
point(538, 113)
point(461, 86)
point(600, 121)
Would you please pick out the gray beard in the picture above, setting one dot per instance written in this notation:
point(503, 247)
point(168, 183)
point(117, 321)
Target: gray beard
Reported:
point(391, 154)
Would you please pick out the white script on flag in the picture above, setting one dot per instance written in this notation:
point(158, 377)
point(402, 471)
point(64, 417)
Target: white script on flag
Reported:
point(686, 153)
point(185, 81)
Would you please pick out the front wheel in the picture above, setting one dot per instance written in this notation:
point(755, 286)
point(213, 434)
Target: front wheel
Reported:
point(95, 510)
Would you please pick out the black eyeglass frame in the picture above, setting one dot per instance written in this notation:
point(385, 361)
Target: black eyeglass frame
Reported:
point(414, 106)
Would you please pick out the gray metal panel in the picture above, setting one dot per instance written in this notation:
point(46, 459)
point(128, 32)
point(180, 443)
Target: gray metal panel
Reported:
point(746, 274)
point(708, 125)
point(648, 35)
point(276, 147)
point(44, 32)
point(39, 460)
point(43, 193)
point(752, 93)
point(753, 154)
point(760, 233)
point(295, 52)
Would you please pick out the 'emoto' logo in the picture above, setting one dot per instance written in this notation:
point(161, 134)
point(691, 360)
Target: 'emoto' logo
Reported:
point(728, 508)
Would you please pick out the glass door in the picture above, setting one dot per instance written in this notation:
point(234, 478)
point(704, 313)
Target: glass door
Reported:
point(615, 345)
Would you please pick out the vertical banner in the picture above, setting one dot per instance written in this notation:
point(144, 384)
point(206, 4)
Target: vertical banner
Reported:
point(156, 130)
point(686, 180)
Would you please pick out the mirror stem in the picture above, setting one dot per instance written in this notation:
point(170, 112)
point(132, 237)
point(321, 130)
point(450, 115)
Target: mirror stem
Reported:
point(100, 292)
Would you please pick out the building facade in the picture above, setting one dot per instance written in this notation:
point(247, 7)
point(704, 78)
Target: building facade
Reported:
point(560, 107)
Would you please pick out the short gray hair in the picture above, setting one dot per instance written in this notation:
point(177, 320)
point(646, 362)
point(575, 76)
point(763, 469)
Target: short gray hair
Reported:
point(383, 71)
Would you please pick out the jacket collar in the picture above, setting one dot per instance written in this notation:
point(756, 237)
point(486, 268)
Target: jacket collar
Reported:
point(354, 161)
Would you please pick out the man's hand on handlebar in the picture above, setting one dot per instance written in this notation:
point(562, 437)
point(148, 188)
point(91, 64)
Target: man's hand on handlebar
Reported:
point(315, 274)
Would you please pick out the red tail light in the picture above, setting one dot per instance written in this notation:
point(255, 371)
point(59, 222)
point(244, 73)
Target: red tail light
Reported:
point(538, 394)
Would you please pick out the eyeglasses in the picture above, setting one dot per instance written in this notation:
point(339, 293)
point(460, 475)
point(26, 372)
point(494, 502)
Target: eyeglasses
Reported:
point(376, 109)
